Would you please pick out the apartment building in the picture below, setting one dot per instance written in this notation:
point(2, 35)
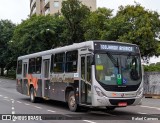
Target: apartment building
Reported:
point(45, 7)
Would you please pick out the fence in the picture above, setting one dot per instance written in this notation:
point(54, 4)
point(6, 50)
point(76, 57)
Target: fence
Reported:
point(152, 83)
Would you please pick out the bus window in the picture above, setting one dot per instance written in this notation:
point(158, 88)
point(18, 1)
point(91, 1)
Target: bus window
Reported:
point(88, 68)
point(32, 66)
point(38, 65)
point(59, 62)
point(24, 69)
point(83, 67)
point(52, 63)
point(71, 61)
point(19, 69)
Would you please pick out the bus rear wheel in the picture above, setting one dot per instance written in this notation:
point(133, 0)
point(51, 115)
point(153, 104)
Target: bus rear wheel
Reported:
point(32, 95)
point(72, 104)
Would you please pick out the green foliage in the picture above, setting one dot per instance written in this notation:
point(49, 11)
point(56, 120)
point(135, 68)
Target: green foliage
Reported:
point(36, 34)
point(152, 68)
point(74, 13)
point(94, 24)
point(134, 24)
point(6, 33)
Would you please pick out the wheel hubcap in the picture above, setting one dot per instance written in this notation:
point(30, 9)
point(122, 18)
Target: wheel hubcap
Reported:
point(32, 96)
point(72, 101)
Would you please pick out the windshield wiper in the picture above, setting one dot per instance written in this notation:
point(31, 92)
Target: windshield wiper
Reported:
point(113, 60)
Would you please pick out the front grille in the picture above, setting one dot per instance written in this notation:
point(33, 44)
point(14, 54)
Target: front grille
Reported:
point(116, 101)
point(117, 88)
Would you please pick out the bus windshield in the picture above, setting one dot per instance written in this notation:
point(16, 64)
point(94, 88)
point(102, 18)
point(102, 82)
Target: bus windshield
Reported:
point(118, 69)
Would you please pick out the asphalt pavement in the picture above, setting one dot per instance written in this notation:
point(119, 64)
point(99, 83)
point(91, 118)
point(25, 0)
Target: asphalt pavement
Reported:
point(15, 107)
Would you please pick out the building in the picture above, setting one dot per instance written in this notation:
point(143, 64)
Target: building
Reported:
point(45, 7)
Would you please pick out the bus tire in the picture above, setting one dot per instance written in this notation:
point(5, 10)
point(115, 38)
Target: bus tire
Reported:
point(32, 95)
point(72, 104)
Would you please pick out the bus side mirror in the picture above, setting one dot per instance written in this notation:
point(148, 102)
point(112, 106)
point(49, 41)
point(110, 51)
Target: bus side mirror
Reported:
point(92, 61)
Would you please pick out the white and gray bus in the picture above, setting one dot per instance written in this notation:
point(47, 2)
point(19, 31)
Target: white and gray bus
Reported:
point(92, 73)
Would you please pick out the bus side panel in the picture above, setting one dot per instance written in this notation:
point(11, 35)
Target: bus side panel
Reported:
point(39, 88)
point(46, 87)
point(57, 91)
point(25, 86)
point(19, 85)
point(75, 85)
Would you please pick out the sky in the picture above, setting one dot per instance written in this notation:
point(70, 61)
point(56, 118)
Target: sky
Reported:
point(18, 10)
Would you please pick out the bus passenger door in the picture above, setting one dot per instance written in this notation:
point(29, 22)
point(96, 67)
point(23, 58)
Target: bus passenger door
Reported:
point(45, 78)
point(85, 86)
point(25, 85)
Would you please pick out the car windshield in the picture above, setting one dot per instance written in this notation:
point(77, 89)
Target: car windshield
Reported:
point(113, 69)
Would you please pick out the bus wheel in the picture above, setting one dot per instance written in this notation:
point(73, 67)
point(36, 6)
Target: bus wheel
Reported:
point(110, 108)
point(32, 95)
point(72, 104)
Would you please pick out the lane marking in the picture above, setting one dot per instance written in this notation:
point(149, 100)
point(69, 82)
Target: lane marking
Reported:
point(12, 108)
point(5, 97)
point(141, 113)
point(1, 95)
point(13, 112)
point(12, 99)
point(51, 111)
point(26, 104)
point(19, 102)
point(6, 100)
point(150, 107)
point(149, 114)
point(37, 107)
point(89, 121)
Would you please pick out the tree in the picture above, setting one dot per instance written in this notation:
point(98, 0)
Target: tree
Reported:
point(35, 34)
point(74, 13)
point(134, 24)
point(94, 24)
point(6, 32)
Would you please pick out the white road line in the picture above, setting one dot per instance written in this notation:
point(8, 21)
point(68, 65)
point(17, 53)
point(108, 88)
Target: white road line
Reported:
point(12, 108)
point(150, 107)
point(19, 102)
point(26, 104)
point(6, 100)
point(12, 99)
point(1, 95)
point(13, 112)
point(37, 107)
point(141, 113)
point(89, 121)
point(5, 97)
point(51, 111)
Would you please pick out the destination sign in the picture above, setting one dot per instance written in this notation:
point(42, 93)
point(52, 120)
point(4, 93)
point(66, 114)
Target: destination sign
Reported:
point(115, 47)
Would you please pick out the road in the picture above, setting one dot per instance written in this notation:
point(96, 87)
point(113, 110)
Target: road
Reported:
point(12, 102)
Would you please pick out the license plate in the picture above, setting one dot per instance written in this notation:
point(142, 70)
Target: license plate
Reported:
point(122, 104)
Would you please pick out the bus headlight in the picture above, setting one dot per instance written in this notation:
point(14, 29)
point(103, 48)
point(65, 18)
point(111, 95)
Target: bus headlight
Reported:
point(140, 91)
point(99, 91)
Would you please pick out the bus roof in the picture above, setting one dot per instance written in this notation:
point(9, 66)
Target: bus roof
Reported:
point(74, 46)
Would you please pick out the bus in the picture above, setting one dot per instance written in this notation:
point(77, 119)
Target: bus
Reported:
point(88, 74)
